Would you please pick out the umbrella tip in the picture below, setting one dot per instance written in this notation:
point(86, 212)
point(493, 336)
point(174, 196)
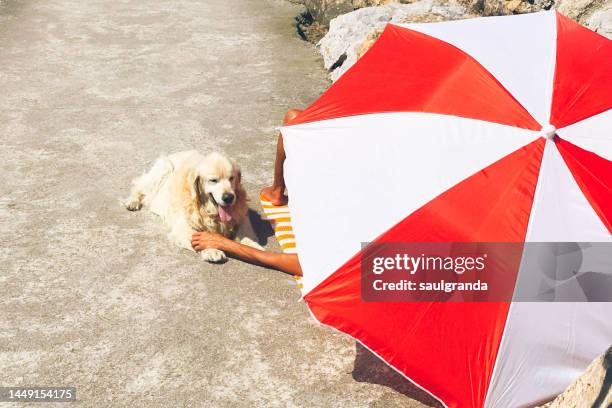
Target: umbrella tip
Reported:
point(548, 131)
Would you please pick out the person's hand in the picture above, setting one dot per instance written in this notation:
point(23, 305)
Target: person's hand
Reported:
point(204, 240)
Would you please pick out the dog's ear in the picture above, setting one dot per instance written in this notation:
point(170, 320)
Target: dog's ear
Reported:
point(196, 188)
point(241, 196)
point(238, 173)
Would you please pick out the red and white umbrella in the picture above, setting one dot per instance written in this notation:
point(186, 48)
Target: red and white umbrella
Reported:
point(493, 129)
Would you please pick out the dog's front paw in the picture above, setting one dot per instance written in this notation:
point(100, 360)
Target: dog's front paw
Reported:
point(249, 242)
point(213, 255)
point(133, 205)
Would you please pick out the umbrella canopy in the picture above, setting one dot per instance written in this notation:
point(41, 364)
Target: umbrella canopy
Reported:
point(483, 130)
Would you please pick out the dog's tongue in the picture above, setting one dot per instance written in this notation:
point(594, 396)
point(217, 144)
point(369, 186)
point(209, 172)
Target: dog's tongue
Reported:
point(224, 214)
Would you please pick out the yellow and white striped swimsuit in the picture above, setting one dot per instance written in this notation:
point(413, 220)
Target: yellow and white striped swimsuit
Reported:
point(280, 219)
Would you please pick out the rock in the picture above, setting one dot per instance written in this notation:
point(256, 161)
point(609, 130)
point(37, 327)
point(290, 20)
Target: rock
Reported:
point(351, 34)
point(309, 29)
point(601, 21)
point(595, 14)
point(504, 7)
point(592, 389)
point(575, 9)
point(357, 4)
point(368, 42)
point(323, 11)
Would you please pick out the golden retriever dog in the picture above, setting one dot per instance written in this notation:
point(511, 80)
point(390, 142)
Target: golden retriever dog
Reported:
point(192, 192)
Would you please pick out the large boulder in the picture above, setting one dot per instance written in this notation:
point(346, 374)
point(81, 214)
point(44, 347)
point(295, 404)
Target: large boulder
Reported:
point(351, 34)
point(576, 9)
point(323, 11)
point(601, 21)
point(592, 389)
point(595, 14)
point(504, 7)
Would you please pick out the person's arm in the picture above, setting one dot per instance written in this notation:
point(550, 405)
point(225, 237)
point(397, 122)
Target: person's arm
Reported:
point(287, 263)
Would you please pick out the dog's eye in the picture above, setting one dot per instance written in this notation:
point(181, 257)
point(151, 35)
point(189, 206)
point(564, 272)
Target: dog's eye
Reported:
point(231, 179)
point(212, 180)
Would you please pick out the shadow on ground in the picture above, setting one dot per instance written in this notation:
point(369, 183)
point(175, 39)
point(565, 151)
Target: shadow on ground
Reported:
point(262, 227)
point(371, 369)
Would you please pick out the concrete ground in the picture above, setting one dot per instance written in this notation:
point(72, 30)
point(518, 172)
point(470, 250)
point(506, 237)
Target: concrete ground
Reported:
point(94, 296)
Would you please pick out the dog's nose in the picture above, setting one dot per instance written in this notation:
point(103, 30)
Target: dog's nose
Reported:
point(227, 198)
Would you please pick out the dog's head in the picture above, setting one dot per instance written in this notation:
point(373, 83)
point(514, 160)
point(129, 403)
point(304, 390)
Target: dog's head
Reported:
point(217, 181)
